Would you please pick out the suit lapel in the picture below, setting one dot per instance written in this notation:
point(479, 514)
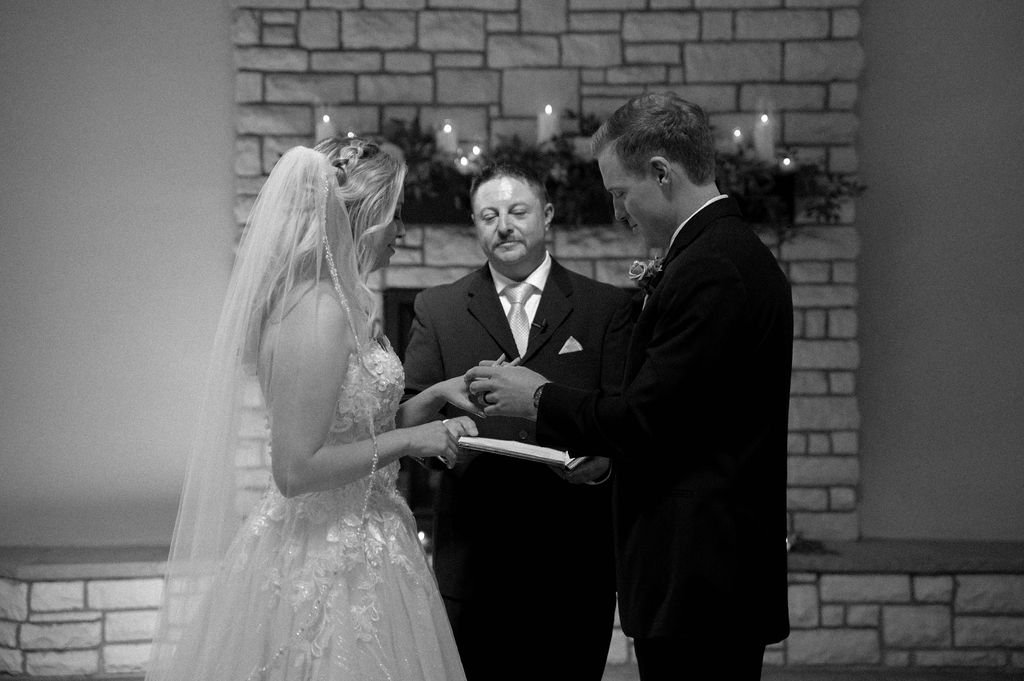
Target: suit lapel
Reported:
point(695, 226)
point(483, 304)
point(555, 306)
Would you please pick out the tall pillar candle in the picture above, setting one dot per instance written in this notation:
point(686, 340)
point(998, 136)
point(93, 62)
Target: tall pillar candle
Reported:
point(737, 139)
point(324, 127)
point(764, 138)
point(447, 139)
point(547, 125)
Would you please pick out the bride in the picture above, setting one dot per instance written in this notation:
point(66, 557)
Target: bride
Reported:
point(324, 578)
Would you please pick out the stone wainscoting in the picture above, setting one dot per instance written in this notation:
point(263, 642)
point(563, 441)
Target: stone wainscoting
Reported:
point(78, 612)
point(881, 605)
point(904, 604)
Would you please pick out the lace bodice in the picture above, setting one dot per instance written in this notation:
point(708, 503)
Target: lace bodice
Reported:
point(344, 533)
point(373, 390)
point(373, 386)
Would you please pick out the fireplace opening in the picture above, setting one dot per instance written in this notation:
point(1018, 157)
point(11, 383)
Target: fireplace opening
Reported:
point(419, 485)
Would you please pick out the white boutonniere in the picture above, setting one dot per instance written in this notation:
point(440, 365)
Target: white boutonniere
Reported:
point(646, 273)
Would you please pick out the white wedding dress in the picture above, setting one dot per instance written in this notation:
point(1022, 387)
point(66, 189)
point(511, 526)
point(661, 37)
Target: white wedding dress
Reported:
point(309, 592)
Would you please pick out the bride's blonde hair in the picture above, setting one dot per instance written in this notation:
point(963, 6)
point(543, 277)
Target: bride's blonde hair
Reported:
point(370, 182)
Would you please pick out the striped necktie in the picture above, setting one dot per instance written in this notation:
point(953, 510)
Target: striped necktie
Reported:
point(518, 320)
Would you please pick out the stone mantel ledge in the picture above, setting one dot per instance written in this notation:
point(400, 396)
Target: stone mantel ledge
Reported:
point(30, 563)
point(865, 556)
point(920, 557)
point(810, 241)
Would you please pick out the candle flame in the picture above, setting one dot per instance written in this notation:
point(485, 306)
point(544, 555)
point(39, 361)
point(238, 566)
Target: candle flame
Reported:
point(548, 110)
point(787, 161)
point(351, 134)
point(737, 133)
point(447, 128)
point(764, 118)
point(327, 119)
point(476, 150)
point(464, 161)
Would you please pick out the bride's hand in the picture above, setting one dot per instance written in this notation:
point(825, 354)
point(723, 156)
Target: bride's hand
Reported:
point(440, 439)
point(457, 427)
point(461, 425)
point(456, 393)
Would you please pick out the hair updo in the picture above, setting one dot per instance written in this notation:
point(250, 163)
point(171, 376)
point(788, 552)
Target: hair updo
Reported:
point(370, 183)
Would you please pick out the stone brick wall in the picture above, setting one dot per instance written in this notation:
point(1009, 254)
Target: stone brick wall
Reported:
point(80, 626)
point(821, 264)
point(491, 65)
point(905, 620)
point(82, 619)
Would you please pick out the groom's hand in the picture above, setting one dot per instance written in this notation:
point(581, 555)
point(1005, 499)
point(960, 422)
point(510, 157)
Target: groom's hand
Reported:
point(505, 390)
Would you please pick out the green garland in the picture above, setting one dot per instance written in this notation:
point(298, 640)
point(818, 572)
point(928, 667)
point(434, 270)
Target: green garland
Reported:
point(438, 193)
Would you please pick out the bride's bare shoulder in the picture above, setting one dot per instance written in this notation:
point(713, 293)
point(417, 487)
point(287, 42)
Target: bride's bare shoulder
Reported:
point(312, 303)
point(310, 320)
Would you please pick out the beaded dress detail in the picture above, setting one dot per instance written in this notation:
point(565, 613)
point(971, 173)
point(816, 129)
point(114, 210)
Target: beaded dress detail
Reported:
point(314, 587)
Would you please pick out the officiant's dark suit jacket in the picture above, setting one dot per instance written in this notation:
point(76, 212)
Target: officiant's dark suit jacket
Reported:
point(508, 531)
point(700, 434)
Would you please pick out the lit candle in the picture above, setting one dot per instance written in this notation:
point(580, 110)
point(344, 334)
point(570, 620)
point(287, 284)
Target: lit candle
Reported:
point(324, 127)
point(447, 139)
point(787, 165)
point(737, 138)
point(547, 125)
point(764, 138)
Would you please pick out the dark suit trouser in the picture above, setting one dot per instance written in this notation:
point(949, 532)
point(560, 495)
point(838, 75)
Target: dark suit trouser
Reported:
point(702, 657)
point(538, 644)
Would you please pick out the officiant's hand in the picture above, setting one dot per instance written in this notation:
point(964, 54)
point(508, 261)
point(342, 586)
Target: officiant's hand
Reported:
point(505, 390)
point(592, 471)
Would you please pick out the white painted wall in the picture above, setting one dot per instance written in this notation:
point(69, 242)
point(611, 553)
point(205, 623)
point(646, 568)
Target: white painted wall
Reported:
point(941, 387)
point(116, 230)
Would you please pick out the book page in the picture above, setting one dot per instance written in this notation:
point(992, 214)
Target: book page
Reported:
point(520, 450)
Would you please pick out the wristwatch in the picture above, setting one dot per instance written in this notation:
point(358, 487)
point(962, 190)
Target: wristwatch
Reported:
point(536, 395)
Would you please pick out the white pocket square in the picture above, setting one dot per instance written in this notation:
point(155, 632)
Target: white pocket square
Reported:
point(571, 345)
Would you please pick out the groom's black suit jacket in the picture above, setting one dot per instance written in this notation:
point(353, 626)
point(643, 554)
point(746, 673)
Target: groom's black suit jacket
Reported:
point(508, 531)
point(700, 433)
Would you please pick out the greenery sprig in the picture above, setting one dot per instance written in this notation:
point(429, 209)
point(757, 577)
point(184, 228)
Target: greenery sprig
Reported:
point(438, 192)
point(775, 199)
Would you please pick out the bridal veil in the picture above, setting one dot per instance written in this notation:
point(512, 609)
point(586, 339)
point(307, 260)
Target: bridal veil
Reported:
point(298, 222)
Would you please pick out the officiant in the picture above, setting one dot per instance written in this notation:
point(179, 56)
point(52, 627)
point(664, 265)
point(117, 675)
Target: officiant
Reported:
point(508, 531)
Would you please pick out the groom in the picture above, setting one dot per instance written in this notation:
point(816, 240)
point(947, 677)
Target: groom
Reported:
point(698, 435)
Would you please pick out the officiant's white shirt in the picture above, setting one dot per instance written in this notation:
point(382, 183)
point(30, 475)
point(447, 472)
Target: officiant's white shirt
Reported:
point(538, 278)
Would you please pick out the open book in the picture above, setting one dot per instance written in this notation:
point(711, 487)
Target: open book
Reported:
point(521, 450)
